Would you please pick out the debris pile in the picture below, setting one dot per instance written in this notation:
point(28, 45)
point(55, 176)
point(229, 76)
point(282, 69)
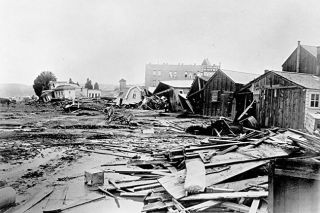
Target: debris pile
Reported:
point(226, 173)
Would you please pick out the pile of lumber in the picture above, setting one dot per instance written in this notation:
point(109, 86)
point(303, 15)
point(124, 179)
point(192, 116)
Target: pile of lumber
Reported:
point(222, 174)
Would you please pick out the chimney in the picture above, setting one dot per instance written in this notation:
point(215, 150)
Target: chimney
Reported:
point(318, 61)
point(122, 84)
point(298, 57)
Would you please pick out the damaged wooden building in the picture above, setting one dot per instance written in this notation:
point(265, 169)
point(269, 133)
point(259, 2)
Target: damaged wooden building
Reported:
point(215, 96)
point(286, 99)
point(171, 90)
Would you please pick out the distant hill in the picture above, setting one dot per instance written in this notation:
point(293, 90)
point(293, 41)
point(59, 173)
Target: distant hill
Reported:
point(16, 90)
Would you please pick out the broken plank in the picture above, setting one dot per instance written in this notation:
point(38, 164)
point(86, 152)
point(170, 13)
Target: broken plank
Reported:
point(235, 206)
point(174, 183)
point(131, 184)
point(33, 201)
point(79, 203)
point(56, 199)
point(217, 146)
point(156, 206)
point(144, 187)
point(195, 181)
point(106, 153)
point(227, 195)
point(204, 205)
point(137, 171)
point(254, 206)
point(135, 194)
point(241, 184)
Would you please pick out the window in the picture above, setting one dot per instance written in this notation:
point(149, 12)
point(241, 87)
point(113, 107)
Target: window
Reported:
point(214, 95)
point(154, 72)
point(314, 100)
point(190, 75)
point(154, 83)
point(186, 74)
point(170, 74)
point(159, 72)
point(134, 95)
point(175, 75)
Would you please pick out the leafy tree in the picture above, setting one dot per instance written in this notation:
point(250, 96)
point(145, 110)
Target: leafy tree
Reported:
point(42, 82)
point(96, 86)
point(70, 81)
point(88, 84)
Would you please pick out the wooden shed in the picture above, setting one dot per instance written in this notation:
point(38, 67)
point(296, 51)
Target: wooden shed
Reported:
point(304, 59)
point(285, 98)
point(171, 90)
point(294, 186)
point(220, 89)
point(196, 94)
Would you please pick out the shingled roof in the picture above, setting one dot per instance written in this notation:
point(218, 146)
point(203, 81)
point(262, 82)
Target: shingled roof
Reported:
point(240, 77)
point(305, 80)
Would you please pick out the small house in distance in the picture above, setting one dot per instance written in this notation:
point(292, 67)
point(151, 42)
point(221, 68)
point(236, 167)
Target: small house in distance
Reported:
point(220, 89)
point(287, 99)
point(171, 90)
point(129, 95)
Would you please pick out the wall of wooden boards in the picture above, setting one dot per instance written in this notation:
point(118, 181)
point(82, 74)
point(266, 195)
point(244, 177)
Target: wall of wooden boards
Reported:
point(226, 87)
point(294, 187)
point(282, 107)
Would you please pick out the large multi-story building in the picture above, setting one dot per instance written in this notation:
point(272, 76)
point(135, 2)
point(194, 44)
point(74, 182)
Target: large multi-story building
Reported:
point(163, 72)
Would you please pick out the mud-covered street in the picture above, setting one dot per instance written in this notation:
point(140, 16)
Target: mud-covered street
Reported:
point(41, 147)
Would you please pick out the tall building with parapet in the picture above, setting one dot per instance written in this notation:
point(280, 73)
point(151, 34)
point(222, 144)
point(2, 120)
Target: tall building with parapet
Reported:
point(155, 73)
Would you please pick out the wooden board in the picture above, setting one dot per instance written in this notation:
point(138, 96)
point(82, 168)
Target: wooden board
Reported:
point(32, 202)
point(56, 199)
point(196, 176)
point(242, 184)
point(262, 152)
point(131, 184)
point(227, 195)
point(174, 183)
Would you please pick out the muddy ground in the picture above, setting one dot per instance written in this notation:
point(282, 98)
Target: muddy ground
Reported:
point(40, 148)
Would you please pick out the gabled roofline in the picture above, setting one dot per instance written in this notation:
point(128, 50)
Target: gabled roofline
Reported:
point(216, 74)
point(264, 75)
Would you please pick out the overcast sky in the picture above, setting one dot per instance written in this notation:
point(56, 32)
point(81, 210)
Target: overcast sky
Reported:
point(108, 40)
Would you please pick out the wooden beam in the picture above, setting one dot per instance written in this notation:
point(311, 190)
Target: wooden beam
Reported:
point(32, 202)
point(227, 195)
point(254, 206)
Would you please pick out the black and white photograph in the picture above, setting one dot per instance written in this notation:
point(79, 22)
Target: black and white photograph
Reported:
point(159, 106)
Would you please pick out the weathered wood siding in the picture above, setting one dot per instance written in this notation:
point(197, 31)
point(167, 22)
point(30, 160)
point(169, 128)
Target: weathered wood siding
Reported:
point(197, 97)
point(294, 186)
point(308, 62)
point(280, 102)
point(226, 88)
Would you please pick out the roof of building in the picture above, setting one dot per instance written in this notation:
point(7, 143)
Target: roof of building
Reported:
point(65, 87)
point(131, 88)
point(206, 78)
point(178, 83)
point(240, 77)
point(305, 80)
point(310, 49)
point(206, 62)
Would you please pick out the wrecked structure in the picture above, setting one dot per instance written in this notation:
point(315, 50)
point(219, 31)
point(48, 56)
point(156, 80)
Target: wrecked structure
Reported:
point(171, 90)
point(286, 99)
point(219, 92)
